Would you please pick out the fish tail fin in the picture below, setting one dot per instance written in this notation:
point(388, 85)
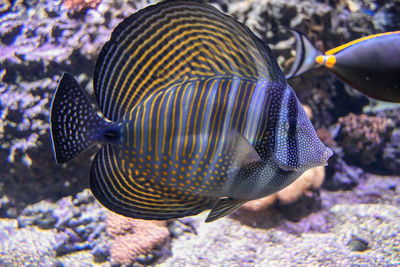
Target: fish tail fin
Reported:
point(306, 54)
point(74, 124)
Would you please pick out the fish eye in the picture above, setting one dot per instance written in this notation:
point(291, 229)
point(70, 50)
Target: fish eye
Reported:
point(111, 134)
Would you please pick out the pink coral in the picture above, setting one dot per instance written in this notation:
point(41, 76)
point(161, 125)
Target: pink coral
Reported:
point(132, 237)
point(308, 182)
point(259, 212)
point(79, 5)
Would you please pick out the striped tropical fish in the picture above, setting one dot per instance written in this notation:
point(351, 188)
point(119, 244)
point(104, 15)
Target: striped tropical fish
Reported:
point(195, 115)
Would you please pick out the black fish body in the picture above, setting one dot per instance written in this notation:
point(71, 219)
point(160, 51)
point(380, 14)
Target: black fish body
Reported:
point(370, 64)
point(373, 66)
point(196, 115)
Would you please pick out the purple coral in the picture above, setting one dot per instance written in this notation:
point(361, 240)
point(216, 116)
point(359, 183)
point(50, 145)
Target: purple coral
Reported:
point(391, 153)
point(363, 137)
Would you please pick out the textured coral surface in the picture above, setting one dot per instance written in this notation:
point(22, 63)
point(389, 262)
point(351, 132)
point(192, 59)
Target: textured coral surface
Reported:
point(80, 4)
point(364, 137)
point(132, 238)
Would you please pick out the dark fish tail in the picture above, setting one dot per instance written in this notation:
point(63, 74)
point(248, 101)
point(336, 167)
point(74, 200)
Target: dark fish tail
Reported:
point(75, 125)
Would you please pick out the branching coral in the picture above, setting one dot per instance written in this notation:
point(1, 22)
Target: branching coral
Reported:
point(363, 137)
point(132, 238)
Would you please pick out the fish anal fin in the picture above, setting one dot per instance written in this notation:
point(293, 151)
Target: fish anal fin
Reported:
point(223, 207)
point(121, 191)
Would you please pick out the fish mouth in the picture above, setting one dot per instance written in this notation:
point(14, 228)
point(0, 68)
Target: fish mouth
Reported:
point(326, 155)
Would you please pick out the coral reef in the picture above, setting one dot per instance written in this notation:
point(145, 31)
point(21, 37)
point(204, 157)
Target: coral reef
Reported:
point(134, 239)
point(28, 245)
point(364, 136)
point(334, 235)
point(26, 150)
point(387, 17)
point(4, 6)
point(38, 44)
point(45, 233)
point(80, 219)
point(339, 175)
point(391, 153)
point(47, 41)
point(326, 137)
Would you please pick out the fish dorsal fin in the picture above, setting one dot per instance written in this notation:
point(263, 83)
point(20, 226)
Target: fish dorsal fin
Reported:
point(169, 43)
point(116, 186)
point(243, 153)
point(223, 207)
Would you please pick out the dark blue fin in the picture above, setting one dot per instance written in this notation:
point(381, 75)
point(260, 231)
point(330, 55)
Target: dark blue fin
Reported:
point(74, 123)
point(223, 207)
point(120, 187)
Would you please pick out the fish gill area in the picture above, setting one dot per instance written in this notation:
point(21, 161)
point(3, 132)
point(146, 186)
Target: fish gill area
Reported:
point(346, 213)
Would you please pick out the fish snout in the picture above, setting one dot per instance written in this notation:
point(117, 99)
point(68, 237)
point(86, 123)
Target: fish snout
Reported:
point(326, 153)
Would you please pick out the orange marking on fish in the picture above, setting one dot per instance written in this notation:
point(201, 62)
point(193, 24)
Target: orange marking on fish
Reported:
point(319, 59)
point(330, 61)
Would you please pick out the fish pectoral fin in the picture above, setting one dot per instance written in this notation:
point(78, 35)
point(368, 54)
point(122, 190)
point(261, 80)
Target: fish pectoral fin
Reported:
point(243, 153)
point(119, 189)
point(223, 207)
